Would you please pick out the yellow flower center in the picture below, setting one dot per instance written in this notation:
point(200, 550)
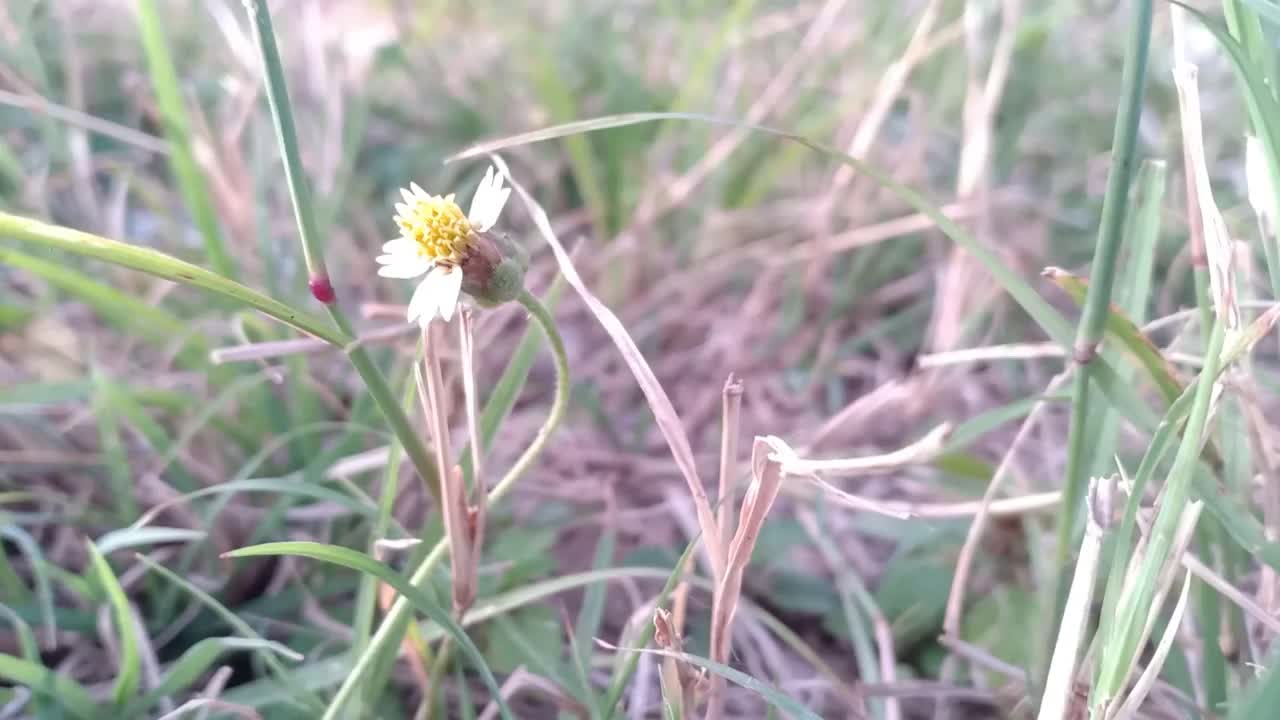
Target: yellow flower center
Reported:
point(439, 227)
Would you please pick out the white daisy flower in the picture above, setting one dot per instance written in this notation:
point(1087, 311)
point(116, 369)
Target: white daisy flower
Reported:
point(435, 239)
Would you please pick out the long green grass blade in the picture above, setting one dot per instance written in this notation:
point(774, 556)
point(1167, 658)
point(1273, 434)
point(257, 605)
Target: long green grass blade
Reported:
point(1031, 302)
point(154, 262)
point(1120, 648)
point(130, 662)
point(28, 547)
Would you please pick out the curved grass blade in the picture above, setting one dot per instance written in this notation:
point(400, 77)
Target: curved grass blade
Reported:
point(1031, 302)
point(419, 599)
point(154, 262)
point(130, 662)
point(1122, 395)
point(284, 485)
point(299, 692)
point(28, 546)
point(40, 679)
point(26, 638)
point(133, 537)
point(197, 660)
point(328, 671)
point(1262, 105)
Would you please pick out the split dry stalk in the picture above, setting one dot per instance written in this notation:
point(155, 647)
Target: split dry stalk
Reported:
point(766, 481)
point(731, 412)
point(453, 491)
point(1075, 618)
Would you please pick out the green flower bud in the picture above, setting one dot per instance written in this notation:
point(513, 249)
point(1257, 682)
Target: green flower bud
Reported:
point(493, 268)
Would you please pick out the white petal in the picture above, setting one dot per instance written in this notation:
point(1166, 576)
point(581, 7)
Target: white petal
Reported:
point(449, 286)
point(499, 202)
point(406, 269)
point(399, 245)
point(400, 258)
point(480, 201)
point(417, 190)
point(402, 210)
point(420, 303)
point(408, 196)
point(488, 201)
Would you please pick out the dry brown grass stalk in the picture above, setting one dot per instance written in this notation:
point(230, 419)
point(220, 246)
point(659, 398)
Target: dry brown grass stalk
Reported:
point(1218, 255)
point(731, 410)
point(1060, 684)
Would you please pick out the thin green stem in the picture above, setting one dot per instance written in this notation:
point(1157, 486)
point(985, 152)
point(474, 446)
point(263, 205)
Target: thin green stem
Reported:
point(436, 674)
point(392, 411)
point(1115, 208)
point(287, 136)
point(366, 598)
point(304, 213)
point(387, 637)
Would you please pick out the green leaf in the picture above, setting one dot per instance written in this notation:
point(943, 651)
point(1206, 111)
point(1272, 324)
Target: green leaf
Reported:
point(912, 594)
point(1261, 698)
point(422, 601)
point(799, 592)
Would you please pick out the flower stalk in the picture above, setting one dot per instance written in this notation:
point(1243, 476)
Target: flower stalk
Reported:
point(397, 618)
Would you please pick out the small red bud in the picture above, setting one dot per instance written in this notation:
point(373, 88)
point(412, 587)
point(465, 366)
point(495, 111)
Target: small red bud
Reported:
point(321, 289)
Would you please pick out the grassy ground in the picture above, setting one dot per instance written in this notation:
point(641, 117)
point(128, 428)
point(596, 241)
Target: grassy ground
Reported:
point(975, 489)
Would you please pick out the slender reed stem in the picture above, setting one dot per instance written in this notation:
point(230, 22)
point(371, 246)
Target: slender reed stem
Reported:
point(1115, 208)
point(393, 625)
point(287, 137)
point(304, 213)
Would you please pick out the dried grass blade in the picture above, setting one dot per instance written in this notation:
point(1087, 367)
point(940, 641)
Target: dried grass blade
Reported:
point(664, 412)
